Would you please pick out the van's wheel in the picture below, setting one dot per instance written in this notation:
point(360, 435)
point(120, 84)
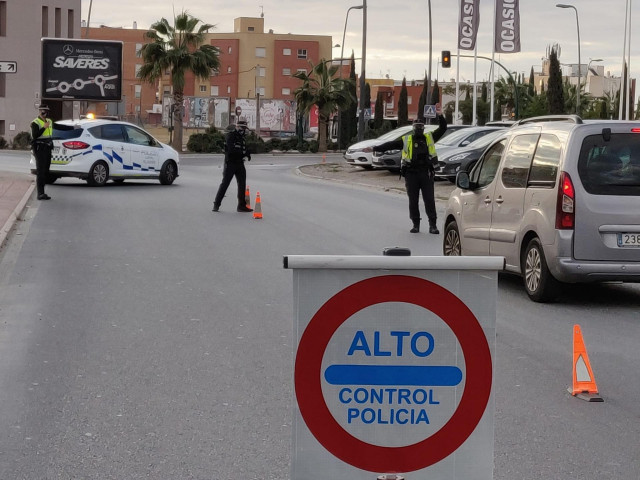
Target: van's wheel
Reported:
point(451, 245)
point(541, 286)
point(168, 172)
point(98, 175)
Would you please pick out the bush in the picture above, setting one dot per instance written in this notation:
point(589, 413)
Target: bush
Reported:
point(303, 147)
point(3, 143)
point(255, 144)
point(212, 141)
point(313, 146)
point(22, 141)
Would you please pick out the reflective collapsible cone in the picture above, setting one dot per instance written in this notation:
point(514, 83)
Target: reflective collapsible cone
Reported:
point(247, 197)
point(257, 211)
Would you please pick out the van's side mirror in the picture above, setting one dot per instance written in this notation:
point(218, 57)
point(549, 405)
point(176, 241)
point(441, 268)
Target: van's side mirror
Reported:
point(462, 180)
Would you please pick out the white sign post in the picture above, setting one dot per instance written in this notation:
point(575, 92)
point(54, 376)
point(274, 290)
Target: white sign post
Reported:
point(393, 369)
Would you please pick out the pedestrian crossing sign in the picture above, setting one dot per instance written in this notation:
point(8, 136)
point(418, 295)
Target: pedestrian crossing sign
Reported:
point(429, 111)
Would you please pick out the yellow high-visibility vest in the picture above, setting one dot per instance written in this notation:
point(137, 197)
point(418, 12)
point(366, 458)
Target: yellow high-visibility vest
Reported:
point(407, 147)
point(48, 131)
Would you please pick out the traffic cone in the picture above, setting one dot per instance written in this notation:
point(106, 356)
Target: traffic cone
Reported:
point(247, 197)
point(584, 383)
point(257, 211)
point(324, 158)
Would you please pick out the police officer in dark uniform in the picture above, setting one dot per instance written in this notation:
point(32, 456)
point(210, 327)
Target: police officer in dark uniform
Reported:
point(419, 158)
point(42, 146)
point(235, 152)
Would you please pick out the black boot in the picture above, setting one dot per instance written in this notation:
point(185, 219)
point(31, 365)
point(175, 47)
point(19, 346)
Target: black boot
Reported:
point(416, 226)
point(433, 229)
point(243, 208)
point(216, 207)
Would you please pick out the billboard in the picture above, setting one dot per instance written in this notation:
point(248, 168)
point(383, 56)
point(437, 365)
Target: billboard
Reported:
point(199, 112)
point(75, 69)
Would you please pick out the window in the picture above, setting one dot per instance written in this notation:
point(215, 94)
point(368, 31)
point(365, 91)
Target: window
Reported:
point(58, 22)
point(108, 132)
point(228, 69)
point(251, 29)
point(2, 127)
point(138, 90)
point(138, 67)
point(229, 89)
point(262, 71)
point(302, 53)
point(302, 70)
point(229, 50)
point(286, 91)
point(286, 51)
point(261, 52)
point(261, 91)
point(484, 175)
point(409, 100)
point(286, 72)
point(3, 19)
point(138, 50)
point(45, 21)
point(214, 90)
point(518, 160)
point(138, 137)
point(70, 22)
point(3, 83)
point(544, 168)
point(203, 88)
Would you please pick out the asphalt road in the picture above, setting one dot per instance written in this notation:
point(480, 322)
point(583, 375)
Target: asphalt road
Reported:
point(143, 336)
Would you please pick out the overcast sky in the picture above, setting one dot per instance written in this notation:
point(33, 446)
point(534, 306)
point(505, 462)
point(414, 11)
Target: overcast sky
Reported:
point(398, 33)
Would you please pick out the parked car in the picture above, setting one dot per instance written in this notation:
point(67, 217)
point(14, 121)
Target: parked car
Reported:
point(361, 153)
point(391, 159)
point(101, 150)
point(559, 200)
point(464, 158)
point(462, 138)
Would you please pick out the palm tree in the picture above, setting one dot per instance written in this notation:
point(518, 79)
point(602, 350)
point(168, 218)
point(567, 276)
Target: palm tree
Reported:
point(178, 48)
point(321, 88)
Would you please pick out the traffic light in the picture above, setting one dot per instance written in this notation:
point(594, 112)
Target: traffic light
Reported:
point(446, 59)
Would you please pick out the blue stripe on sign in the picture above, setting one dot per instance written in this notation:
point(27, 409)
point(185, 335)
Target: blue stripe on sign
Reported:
point(407, 375)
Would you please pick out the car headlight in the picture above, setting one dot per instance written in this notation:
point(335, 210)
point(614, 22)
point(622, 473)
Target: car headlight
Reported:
point(457, 158)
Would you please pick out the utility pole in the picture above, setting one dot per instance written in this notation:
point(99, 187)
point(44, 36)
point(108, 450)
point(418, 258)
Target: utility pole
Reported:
point(362, 72)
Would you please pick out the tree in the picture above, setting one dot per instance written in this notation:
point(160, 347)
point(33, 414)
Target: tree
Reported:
point(532, 86)
point(403, 106)
point(321, 88)
point(379, 111)
point(422, 101)
point(555, 92)
point(178, 48)
point(348, 116)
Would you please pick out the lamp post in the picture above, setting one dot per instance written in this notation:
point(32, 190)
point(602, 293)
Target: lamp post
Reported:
point(344, 32)
point(362, 71)
point(562, 5)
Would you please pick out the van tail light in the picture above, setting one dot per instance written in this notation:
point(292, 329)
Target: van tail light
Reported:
point(75, 145)
point(565, 208)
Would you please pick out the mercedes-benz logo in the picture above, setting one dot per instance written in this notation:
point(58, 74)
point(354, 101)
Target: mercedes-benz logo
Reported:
point(67, 49)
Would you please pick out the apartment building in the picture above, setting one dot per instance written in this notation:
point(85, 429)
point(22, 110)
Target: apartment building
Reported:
point(22, 25)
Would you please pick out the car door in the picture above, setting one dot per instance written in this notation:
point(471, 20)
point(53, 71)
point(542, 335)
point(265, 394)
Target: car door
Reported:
point(115, 149)
point(509, 195)
point(475, 217)
point(144, 151)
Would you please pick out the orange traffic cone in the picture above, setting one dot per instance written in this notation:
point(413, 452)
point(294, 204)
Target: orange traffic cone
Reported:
point(257, 212)
point(584, 383)
point(247, 197)
point(324, 158)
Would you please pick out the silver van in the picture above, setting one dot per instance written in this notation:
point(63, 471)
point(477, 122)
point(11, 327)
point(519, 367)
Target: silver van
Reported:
point(559, 198)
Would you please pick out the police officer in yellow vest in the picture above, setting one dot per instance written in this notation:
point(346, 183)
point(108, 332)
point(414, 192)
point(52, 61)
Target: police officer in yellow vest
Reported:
point(418, 160)
point(42, 145)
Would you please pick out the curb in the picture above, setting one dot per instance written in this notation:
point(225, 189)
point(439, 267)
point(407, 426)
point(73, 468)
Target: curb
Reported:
point(16, 214)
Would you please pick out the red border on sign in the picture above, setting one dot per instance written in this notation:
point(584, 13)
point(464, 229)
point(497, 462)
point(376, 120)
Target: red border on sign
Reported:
point(308, 374)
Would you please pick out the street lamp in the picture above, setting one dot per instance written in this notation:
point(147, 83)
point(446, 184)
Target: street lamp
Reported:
point(362, 72)
point(562, 5)
point(355, 7)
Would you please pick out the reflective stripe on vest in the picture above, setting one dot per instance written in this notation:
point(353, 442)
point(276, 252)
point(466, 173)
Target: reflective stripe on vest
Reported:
point(48, 131)
point(407, 147)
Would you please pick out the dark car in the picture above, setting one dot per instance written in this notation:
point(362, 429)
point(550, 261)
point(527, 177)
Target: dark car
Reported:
point(391, 158)
point(463, 159)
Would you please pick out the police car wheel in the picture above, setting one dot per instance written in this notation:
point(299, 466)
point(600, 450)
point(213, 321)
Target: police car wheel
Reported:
point(168, 172)
point(98, 175)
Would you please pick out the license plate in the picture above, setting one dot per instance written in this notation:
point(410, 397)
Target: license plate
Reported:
point(629, 239)
point(56, 149)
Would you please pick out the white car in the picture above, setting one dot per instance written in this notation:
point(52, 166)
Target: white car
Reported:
point(100, 150)
point(361, 153)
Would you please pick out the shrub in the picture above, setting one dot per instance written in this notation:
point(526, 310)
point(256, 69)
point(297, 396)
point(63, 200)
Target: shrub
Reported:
point(303, 146)
point(255, 144)
point(22, 141)
point(212, 141)
point(313, 146)
point(3, 143)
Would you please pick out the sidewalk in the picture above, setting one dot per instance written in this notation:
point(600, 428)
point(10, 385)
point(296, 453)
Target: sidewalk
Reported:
point(15, 191)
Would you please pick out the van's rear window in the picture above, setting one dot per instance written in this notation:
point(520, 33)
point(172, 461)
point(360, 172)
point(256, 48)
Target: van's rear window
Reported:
point(66, 134)
point(611, 167)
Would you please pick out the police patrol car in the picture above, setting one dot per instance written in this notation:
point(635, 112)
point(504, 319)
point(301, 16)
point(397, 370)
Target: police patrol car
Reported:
point(98, 150)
